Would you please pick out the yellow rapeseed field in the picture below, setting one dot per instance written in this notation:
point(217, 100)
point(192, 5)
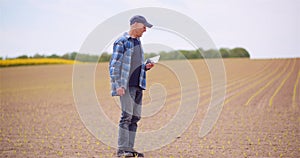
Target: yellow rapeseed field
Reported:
point(36, 61)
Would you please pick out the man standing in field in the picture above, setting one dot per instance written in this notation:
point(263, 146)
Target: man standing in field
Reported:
point(128, 80)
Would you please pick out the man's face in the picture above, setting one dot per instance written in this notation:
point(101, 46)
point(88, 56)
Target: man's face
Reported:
point(139, 29)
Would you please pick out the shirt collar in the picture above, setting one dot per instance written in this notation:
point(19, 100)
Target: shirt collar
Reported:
point(126, 34)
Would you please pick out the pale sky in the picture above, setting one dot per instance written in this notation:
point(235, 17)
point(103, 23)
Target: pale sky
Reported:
point(266, 28)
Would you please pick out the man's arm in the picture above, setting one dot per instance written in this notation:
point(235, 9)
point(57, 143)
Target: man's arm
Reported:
point(116, 64)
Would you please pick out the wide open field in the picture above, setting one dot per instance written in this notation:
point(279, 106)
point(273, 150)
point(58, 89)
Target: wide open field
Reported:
point(260, 117)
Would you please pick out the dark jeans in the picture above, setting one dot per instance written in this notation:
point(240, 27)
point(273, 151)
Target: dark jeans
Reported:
point(131, 105)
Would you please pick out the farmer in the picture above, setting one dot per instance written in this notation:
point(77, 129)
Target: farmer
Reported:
point(128, 80)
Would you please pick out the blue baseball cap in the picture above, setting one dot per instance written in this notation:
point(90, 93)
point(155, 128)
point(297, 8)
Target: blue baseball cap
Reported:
point(140, 19)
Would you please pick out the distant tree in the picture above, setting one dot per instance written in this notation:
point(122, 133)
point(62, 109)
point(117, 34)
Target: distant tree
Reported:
point(192, 54)
point(201, 52)
point(104, 57)
point(66, 56)
point(186, 53)
point(86, 57)
point(22, 57)
point(73, 55)
point(149, 55)
point(239, 53)
point(225, 53)
point(69, 56)
point(164, 55)
point(176, 55)
point(38, 56)
point(53, 56)
point(211, 53)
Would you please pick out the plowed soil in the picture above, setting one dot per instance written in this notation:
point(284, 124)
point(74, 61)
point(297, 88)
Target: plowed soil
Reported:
point(260, 117)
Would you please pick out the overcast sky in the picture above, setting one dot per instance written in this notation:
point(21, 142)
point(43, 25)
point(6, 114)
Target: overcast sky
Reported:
point(266, 28)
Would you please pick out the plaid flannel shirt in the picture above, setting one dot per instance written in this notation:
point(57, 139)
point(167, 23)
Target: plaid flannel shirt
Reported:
point(119, 65)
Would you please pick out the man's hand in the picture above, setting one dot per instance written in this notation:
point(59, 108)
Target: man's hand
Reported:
point(120, 91)
point(149, 66)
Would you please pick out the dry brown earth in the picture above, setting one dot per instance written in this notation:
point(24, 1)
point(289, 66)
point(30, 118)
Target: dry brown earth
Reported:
point(260, 118)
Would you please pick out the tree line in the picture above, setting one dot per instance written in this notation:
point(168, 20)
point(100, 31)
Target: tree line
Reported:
point(172, 55)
